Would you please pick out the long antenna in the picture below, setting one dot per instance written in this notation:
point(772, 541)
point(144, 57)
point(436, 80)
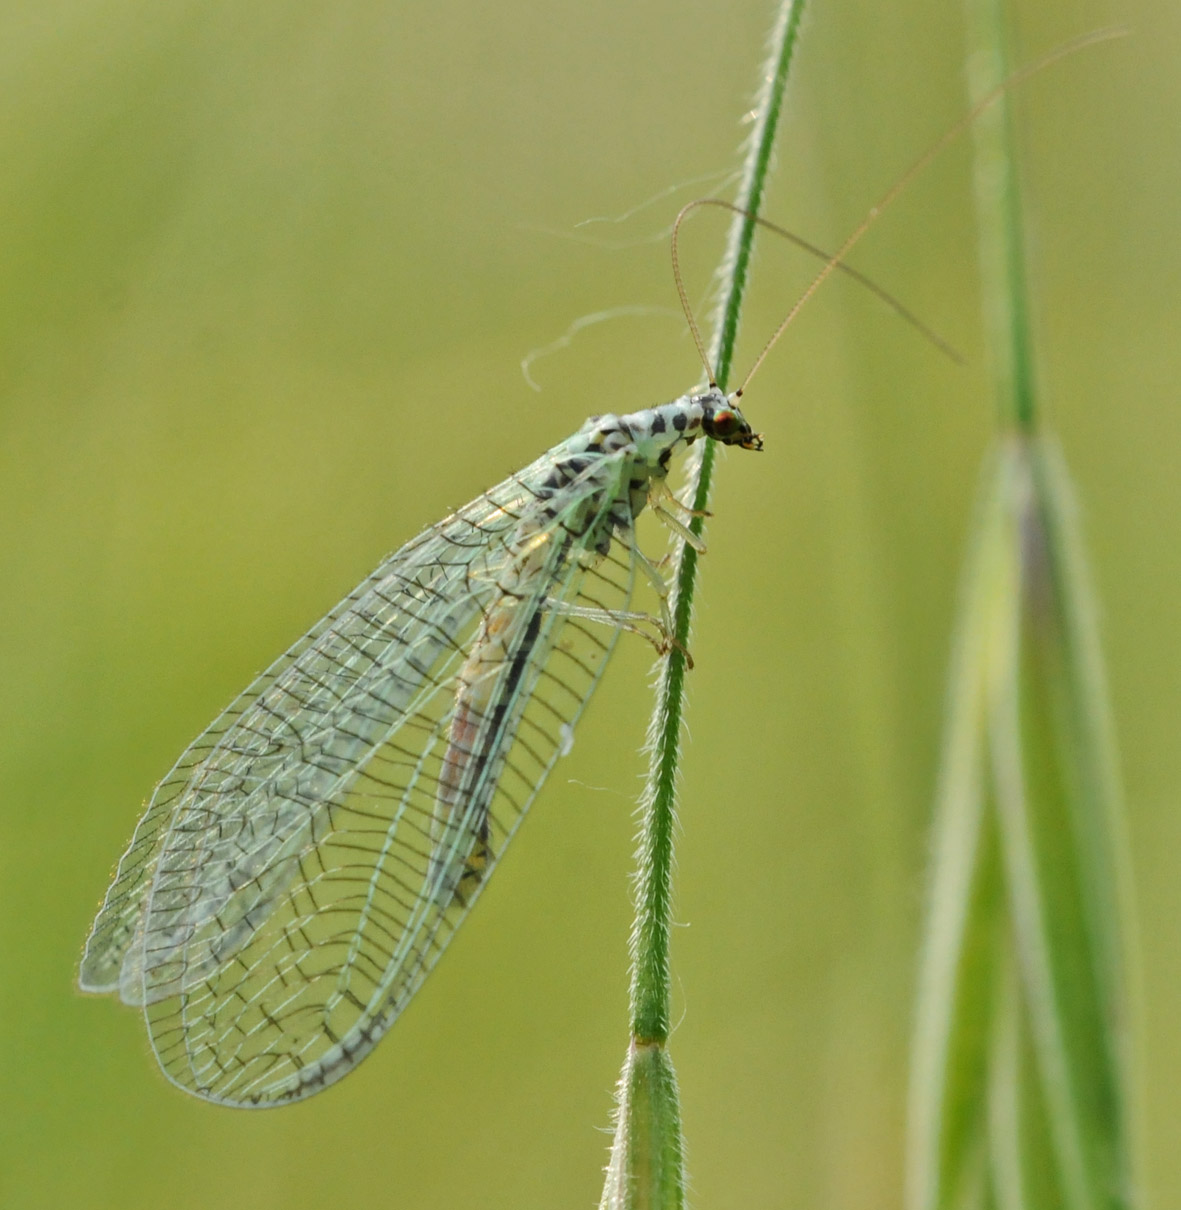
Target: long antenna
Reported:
point(836, 261)
point(895, 305)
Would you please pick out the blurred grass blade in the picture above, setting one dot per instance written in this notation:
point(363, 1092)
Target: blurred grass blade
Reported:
point(964, 942)
point(1018, 1095)
point(1018, 1079)
point(1018, 1091)
point(1058, 806)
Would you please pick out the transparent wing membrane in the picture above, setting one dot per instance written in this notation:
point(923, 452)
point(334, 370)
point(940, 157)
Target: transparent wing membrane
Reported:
point(299, 872)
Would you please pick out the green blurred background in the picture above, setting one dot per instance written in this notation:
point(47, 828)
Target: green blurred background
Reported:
point(266, 275)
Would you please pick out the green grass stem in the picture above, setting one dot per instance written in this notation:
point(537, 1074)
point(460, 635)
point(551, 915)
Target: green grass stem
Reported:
point(646, 1168)
point(650, 972)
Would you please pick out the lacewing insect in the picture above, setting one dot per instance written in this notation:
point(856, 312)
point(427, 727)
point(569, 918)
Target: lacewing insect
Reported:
point(306, 862)
point(303, 866)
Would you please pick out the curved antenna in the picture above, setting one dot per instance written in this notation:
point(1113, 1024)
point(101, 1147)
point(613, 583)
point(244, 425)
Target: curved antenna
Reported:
point(683, 294)
point(836, 261)
point(899, 308)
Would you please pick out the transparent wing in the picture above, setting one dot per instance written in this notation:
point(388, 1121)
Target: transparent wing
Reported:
point(299, 872)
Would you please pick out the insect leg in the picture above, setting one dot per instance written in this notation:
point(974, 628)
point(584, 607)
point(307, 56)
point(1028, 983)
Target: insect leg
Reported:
point(667, 517)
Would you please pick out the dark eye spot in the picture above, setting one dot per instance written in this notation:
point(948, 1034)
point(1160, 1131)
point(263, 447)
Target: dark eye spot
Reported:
point(726, 425)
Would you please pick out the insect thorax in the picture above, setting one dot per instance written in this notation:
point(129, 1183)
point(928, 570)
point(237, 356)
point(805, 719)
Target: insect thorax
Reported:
point(601, 477)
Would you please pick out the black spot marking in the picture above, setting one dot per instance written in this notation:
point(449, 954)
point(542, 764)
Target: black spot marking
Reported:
point(658, 423)
point(679, 421)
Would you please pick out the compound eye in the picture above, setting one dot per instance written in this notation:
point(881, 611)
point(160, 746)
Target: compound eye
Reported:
point(724, 424)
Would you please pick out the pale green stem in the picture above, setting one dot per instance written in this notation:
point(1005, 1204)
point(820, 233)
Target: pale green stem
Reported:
point(650, 939)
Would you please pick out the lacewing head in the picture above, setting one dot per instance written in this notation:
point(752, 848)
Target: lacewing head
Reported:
point(725, 423)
